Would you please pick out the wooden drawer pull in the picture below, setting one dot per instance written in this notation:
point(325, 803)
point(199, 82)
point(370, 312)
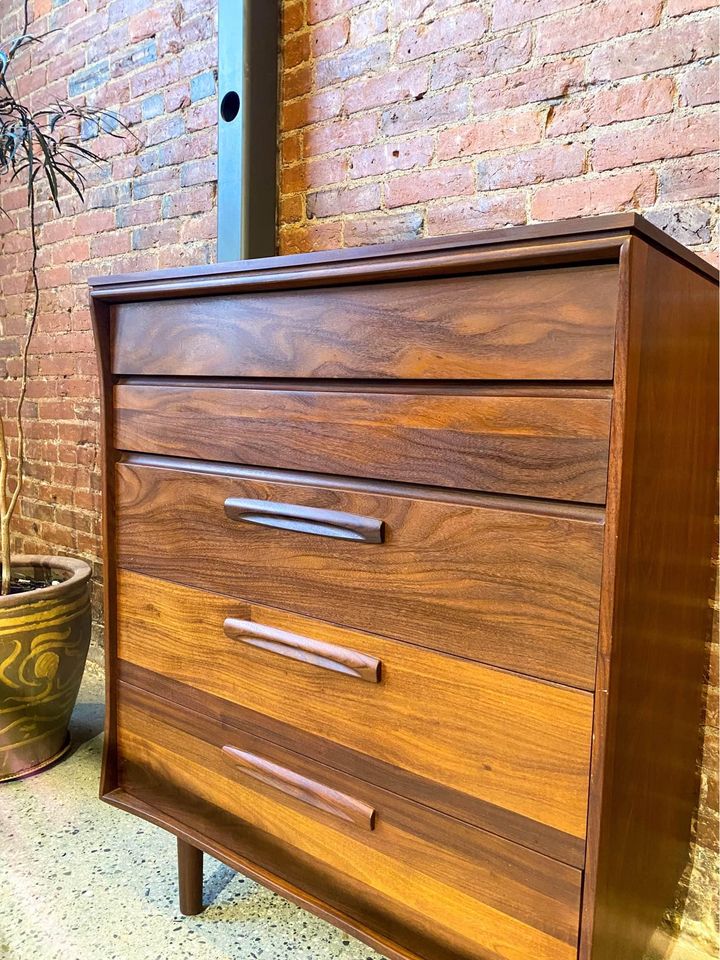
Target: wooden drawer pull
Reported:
point(308, 791)
point(291, 516)
point(297, 647)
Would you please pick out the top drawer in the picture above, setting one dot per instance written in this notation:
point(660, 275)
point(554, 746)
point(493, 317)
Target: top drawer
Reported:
point(543, 324)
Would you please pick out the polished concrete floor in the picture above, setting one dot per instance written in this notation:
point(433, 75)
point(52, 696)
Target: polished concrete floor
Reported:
point(80, 880)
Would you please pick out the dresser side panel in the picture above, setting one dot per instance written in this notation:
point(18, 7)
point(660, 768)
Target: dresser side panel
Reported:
point(661, 511)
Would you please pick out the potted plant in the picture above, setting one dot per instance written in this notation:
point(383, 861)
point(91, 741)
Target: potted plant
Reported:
point(45, 617)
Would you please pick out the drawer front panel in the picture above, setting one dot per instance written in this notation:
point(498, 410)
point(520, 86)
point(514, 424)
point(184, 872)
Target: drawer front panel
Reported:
point(518, 590)
point(538, 324)
point(505, 741)
point(440, 887)
point(554, 447)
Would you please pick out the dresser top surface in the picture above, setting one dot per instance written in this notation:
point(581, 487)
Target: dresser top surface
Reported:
point(577, 230)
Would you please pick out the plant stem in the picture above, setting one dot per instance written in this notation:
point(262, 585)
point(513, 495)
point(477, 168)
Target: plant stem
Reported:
point(7, 506)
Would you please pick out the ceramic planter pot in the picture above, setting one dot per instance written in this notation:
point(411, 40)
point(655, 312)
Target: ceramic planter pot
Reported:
point(44, 639)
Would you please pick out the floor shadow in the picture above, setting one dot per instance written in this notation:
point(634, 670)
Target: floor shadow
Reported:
point(86, 723)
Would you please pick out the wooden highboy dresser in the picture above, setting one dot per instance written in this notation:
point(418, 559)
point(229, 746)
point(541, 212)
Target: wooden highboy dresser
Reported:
point(408, 567)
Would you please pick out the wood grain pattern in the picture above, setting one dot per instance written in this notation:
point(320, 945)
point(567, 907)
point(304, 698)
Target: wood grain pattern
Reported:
point(553, 447)
point(428, 879)
point(533, 324)
point(388, 362)
point(527, 747)
point(296, 646)
point(300, 519)
point(656, 609)
point(519, 590)
point(190, 878)
point(308, 791)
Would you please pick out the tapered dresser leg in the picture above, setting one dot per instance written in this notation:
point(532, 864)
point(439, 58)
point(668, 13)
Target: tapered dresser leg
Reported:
point(190, 878)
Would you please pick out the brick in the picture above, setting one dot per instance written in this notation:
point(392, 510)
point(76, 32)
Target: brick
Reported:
point(429, 185)
point(593, 23)
point(146, 24)
point(329, 37)
point(198, 171)
point(457, 29)
point(312, 236)
point(699, 84)
point(297, 82)
point(428, 10)
point(338, 135)
point(607, 194)
point(391, 155)
point(485, 212)
point(293, 16)
point(523, 167)
point(138, 56)
point(352, 64)
point(518, 128)
point(548, 81)
point(432, 111)
point(329, 203)
point(383, 228)
point(632, 100)
point(689, 223)
point(509, 13)
point(184, 202)
point(367, 24)
point(471, 63)
point(323, 105)
point(391, 87)
point(89, 79)
point(296, 49)
point(318, 10)
point(676, 8)
point(690, 178)
point(672, 137)
point(153, 106)
point(202, 86)
point(683, 41)
point(318, 172)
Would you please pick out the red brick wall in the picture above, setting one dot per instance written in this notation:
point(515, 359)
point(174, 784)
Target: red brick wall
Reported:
point(400, 118)
point(423, 117)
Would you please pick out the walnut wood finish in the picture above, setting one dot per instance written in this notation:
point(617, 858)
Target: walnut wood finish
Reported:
point(487, 563)
point(301, 519)
point(419, 877)
point(308, 791)
point(295, 646)
point(551, 447)
point(533, 324)
point(190, 878)
point(519, 590)
point(656, 611)
point(527, 749)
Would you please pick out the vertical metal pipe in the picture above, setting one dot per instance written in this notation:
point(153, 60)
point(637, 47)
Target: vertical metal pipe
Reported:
point(248, 36)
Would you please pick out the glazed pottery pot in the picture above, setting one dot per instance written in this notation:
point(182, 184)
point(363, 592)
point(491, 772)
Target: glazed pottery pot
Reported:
point(44, 639)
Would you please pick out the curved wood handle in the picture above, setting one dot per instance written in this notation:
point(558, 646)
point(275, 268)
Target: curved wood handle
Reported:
point(291, 516)
point(301, 788)
point(297, 647)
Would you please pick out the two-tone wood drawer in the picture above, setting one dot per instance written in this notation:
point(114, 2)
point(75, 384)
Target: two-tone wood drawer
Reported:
point(490, 580)
point(511, 441)
point(507, 752)
point(541, 324)
point(446, 890)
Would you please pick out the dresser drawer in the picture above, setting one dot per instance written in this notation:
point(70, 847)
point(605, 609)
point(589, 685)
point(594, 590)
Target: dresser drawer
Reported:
point(547, 324)
point(539, 446)
point(465, 575)
point(445, 890)
point(508, 752)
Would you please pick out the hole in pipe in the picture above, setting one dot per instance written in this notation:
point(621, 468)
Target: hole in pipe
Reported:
point(230, 106)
